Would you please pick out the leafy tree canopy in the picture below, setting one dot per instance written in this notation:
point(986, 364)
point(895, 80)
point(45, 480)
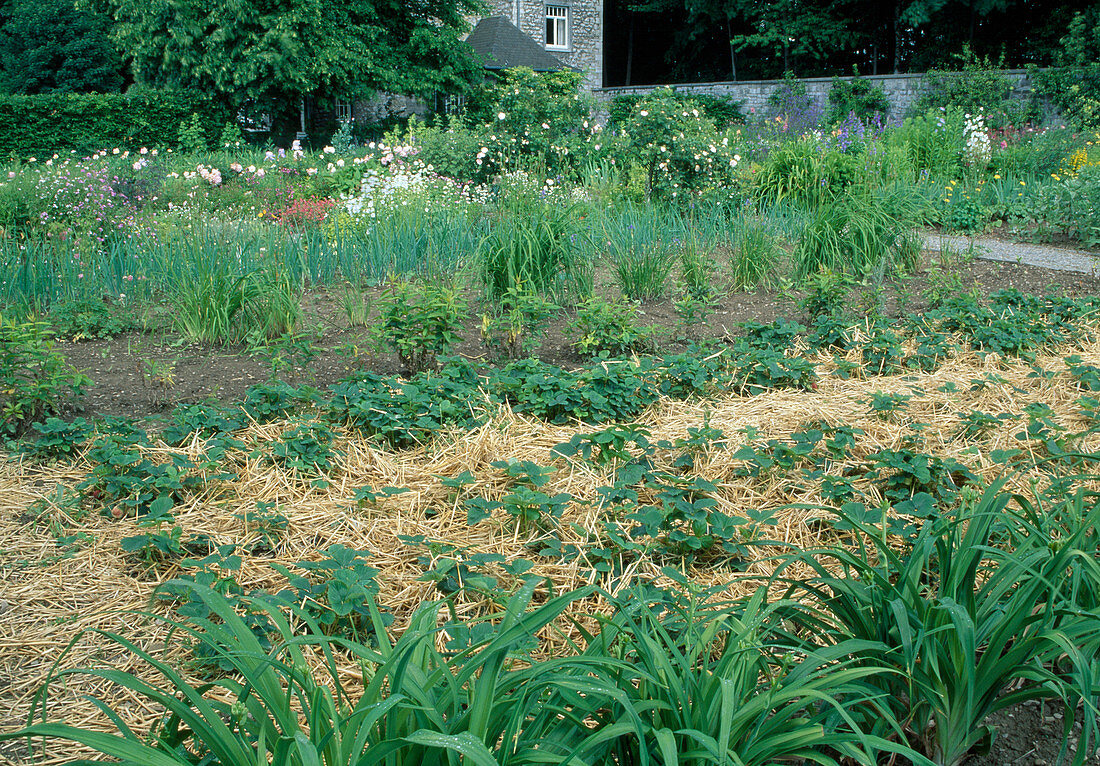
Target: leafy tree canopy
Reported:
point(50, 46)
point(280, 49)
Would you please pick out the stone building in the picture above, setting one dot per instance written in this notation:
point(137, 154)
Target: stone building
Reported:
point(570, 30)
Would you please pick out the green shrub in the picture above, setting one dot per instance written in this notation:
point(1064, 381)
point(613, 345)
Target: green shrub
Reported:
point(451, 146)
point(979, 85)
point(933, 141)
point(39, 126)
point(192, 137)
point(1073, 82)
point(723, 110)
point(678, 150)
point(857, 96)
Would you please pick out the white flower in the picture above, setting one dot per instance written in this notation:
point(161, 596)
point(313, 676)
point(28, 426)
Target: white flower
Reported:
point(644, 113)
point(329, 150)
point(115, 150)
point(501, 115)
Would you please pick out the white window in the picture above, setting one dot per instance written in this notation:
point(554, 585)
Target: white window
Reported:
point(557, 26)
point(343, 111)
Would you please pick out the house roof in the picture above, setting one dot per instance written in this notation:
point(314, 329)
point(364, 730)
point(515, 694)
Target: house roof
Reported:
point(500, 44)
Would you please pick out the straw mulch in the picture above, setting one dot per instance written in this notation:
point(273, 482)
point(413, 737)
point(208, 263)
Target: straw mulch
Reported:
point(49, 593)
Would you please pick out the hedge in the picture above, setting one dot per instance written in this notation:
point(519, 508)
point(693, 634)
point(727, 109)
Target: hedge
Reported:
point(47, 124)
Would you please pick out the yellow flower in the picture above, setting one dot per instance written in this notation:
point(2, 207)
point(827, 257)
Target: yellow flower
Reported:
point(997, 176)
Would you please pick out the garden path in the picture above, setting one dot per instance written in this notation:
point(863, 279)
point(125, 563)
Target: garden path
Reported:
point(993, 249)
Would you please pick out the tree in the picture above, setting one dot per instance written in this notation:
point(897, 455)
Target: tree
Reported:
point(279, 50)
point(50, 46)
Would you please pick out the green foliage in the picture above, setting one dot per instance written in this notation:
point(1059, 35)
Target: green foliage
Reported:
point(124, 481)
point(933, 141)
point(859, 235)
point(35, 380)
point(524, 501)
point(542, 115)
point(57, 439)
point(642, 270)
point(87, 319)
point(306, 447)
point(265, 402)
point(532, 248)
point(614, 390)
point(1073, 83)
point(56, 47)
point(677, 148)
point(223, 306)
point(978, 85)
point(755, 256)
point(276, 54)
point(420, 320)
point(192, 137)
point(714, 682)
point(855, 96)
point(721, 109)
point(969, 628)
point(803, 172)
point(611, 327)
point(44, 124)
point(519, 324)
point(451, 146)
point(337, 592)
point(403, 414)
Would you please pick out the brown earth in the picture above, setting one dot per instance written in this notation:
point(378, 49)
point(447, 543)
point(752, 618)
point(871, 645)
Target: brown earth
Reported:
point(118, 367)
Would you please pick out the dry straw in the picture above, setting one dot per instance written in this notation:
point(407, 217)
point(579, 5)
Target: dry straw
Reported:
point(49, 593)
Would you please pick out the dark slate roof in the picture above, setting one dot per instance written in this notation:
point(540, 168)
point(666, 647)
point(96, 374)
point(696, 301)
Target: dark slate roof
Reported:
point(500, 44)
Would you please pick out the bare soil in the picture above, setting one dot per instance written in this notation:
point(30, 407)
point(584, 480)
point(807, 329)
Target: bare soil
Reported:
point(118, 367)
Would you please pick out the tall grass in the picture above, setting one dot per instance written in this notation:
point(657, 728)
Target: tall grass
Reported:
point(859, 233)
point(642, 243)
point(533, 248)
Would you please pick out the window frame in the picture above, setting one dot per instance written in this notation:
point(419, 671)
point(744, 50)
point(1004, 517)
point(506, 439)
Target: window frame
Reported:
point(564, 17)
point(343, 110)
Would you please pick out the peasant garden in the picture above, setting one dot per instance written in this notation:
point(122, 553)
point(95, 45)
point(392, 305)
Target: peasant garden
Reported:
point(657, 431)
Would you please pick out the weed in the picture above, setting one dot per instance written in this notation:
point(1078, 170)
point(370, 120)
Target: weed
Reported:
point(603, 326)
point(420, 321)
point(519, 326)
point(35, 381)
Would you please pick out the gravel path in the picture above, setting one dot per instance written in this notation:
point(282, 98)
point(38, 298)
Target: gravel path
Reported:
point(992, 249)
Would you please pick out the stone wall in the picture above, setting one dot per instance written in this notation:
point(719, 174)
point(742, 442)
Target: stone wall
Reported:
point(902, 90)
point(585, 50)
